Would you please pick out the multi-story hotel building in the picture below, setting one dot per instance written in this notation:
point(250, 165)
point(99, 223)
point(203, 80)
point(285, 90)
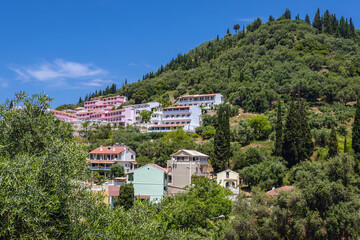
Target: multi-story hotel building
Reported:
point(171, 118)
point(207, 101)
point(99, 103)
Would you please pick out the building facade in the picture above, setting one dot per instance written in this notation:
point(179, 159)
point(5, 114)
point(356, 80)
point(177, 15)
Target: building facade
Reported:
point(207, 101)
point(99, 103)
point(102, 158)
point(183, 165)
point(229, 179)
point(150, 182)
point(150, 107)
point(171, 118)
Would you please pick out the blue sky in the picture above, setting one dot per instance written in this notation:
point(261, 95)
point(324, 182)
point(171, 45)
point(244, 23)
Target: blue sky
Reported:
point(67, 48)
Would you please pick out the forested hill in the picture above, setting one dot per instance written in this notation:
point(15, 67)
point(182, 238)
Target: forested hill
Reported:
point(256, 65)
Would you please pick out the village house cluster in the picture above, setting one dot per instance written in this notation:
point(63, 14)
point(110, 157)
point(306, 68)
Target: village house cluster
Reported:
point(186, 113)
point(152, 182)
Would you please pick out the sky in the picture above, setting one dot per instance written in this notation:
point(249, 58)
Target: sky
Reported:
point(68, 48)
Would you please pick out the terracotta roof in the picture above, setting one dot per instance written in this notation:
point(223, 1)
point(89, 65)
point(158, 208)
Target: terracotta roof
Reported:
point(178, 107)
point(168, 125)
point(199, 95)
point(158, 167)
point(105, 150)
point(113, 191)
point(142, 196)
point(276, 191)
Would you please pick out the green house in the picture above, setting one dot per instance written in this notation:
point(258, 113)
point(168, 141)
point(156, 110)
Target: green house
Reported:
point(150, 182)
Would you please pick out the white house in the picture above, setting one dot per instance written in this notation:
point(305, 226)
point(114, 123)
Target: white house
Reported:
point(229, 179)
point(138, 108)
point(207, 101)
point(171, 118)
point(103, 157)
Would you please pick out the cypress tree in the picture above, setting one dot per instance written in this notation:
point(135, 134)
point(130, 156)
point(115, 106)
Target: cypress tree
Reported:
point(317, 21)
point(220, 160)
point(297, 144)
point(287, 14)
point(271, 18)
point(279, 131)
point(307, 19)
point(333, 144)
point(229, 72)
point(356, 130)
point(126, 196)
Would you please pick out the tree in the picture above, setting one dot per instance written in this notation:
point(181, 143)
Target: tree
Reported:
point(229, 72)
point(261, 126)
point(145, 116)
point(287, 14)
point(333, 144)
point(343, 132)
point(271, 18)
point(317, 21)
point(117, 170)
point(140, 96)
point(279, 131)
point(126, 196)
point(222, 153)
point(236, 27)
point(227, 31)
point(356, 130)
point(297, 143)
point(307, 19)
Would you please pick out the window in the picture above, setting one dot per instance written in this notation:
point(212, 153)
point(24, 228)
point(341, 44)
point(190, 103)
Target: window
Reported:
point(170, 179)
point(227, 174)
point(132, 156)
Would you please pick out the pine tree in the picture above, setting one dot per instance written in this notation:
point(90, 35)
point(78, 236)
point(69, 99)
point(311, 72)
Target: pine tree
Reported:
point(307, 19)
point(80, 100)
point(279, 131)
point(271, 18)
point(317, 21)
point(220, 160)
point(227, 31)
point(287, 14)
point(126, 196)
point(11, 105)
point(126, 80)
point(297, 17)
point(356, 130)
point(333, 144)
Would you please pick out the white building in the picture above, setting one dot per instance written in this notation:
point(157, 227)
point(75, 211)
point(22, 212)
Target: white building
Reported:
point(229, 179)
point(171, 118)
point(103, 157)
point(208, 101)
point(138, 108)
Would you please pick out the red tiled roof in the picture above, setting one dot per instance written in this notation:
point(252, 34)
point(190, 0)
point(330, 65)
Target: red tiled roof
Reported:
point(168, 125)
point(142, 196)
point(158, 167)
point(113, 191)
point(276, 191)
point(105, 150)
point(199, 95)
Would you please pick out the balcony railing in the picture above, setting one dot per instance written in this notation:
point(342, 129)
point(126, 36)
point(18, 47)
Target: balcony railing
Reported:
point(100, 168)
point(202, 174)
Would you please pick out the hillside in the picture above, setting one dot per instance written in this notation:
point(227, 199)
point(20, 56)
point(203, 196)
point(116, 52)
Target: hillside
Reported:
point(252, 69)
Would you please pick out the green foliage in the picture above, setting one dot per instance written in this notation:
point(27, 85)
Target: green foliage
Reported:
point(297, 145)
point(356, 130)
point(279, 131)
point(266, 174)
point(126, 196)
point(222, 153)
point(117, 170)
point(243, 133)
point(145, 116)
point(261, 126)
point(206, 132)
point(252, 155)
point(333, 144)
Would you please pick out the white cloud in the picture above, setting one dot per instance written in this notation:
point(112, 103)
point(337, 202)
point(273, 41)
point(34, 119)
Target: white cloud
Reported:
point(58, 69)
point(97, 82)
point(3, 83)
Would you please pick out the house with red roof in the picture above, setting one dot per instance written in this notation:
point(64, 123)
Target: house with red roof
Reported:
point(103, 157)
point(207, 101)
point(150, 182)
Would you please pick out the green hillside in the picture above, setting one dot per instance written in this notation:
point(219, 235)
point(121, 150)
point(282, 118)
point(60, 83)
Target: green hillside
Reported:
point(251, 69)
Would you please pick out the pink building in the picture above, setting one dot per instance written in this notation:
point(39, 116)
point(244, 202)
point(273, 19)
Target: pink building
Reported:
point(125, 116)
point(97, 103)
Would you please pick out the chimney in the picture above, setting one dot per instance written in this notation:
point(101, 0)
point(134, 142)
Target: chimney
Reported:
point(101, 148)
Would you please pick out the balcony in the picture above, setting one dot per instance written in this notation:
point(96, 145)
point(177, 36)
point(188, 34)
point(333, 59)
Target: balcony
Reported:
point(100, 168)
point(202, 174)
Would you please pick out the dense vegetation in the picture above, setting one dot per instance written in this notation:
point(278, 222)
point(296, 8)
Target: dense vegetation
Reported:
point(310, 141)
